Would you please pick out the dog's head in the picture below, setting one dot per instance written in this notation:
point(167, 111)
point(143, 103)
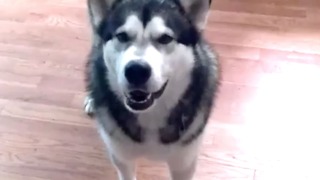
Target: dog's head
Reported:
point(147, 44)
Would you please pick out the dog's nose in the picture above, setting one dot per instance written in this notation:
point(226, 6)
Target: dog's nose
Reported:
point(137, 72)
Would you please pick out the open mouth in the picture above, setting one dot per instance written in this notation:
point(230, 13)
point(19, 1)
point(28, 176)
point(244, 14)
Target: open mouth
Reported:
point(139, 100)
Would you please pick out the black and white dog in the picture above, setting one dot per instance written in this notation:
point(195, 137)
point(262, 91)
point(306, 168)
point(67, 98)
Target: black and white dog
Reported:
point(151, 81)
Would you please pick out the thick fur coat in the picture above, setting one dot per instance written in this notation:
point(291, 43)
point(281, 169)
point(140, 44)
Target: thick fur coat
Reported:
point(151, 81)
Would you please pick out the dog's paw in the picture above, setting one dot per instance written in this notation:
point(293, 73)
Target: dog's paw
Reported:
point(89, 105)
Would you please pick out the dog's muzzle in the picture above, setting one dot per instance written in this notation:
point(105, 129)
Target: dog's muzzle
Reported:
point(139, 100)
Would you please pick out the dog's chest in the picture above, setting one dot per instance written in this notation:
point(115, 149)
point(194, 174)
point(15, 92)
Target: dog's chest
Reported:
point(150, 148)
point(152, 121)
point(154, 150)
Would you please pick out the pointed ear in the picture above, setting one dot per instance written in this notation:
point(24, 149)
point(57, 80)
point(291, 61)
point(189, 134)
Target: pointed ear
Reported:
point(98, 9)
point(197, 10)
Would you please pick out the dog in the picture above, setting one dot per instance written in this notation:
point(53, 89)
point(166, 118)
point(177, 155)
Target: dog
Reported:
point(151, 81)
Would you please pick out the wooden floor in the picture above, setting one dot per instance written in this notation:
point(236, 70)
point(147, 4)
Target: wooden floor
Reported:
point(265, 126)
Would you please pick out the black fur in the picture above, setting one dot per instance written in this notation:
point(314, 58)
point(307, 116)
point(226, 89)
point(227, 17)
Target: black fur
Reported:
point(200, 92)
point(210, 89)
point(170, 10)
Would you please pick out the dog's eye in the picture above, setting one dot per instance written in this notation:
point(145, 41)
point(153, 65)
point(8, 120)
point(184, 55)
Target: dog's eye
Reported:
point(123, 37)
point(165, 39)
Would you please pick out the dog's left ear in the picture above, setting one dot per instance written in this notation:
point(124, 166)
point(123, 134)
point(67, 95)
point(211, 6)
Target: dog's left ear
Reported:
point(197, 10)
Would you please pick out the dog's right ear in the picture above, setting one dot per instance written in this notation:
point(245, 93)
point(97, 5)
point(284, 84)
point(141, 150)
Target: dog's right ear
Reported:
point(197, 10)
point(98, 9)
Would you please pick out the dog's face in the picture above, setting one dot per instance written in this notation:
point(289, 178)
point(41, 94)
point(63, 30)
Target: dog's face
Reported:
point(147, 44)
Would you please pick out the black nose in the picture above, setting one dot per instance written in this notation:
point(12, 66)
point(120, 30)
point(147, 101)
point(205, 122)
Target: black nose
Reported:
point(137, 72)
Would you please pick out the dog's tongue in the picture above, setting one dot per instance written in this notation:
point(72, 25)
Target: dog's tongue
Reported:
point(139, 95)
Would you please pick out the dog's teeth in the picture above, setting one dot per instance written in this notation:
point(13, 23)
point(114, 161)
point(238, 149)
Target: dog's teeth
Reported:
point(133, 100)
point(141, 102)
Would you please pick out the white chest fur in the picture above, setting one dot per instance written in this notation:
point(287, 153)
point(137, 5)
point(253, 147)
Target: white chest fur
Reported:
point(151, 148)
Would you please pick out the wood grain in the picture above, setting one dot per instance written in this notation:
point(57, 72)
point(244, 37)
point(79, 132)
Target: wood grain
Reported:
point(264, 126)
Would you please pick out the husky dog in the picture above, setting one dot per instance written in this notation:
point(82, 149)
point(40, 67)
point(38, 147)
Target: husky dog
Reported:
point(151, 81)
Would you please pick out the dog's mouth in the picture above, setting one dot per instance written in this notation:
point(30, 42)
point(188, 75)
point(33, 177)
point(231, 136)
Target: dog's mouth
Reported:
point(139, 100)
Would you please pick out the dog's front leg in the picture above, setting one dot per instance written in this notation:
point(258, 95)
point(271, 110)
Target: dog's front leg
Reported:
point(181, 171)
point(182, 164)
point(125, 170)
